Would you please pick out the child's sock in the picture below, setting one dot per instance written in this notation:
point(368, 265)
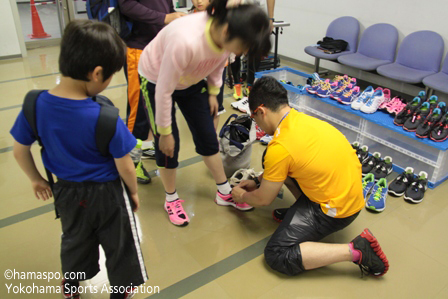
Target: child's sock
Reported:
point(171, 196)
point(224, 188)
point(356, 255)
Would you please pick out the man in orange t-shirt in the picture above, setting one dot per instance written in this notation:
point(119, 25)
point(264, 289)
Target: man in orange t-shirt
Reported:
point(320, 168)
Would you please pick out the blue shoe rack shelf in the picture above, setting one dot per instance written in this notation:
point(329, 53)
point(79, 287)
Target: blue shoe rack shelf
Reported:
point(375, 130)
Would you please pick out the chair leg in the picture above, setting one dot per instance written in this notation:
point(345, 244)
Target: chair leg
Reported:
point(316, 65)
point(429, 92)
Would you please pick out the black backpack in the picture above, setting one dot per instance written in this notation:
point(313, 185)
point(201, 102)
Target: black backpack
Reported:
point(105, 127)
point(332, 45)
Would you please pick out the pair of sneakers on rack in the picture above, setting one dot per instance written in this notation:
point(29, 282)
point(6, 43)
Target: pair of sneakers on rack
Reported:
point(394, 106)
point(377, 188)
point(427, 118)
point(380, 167)
point(411, 186)
point(370, 99)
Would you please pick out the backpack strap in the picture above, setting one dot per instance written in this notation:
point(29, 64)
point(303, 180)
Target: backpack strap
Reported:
point(106, 125)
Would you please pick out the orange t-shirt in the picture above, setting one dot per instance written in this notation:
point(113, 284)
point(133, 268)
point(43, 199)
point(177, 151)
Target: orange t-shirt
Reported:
point(320, 159)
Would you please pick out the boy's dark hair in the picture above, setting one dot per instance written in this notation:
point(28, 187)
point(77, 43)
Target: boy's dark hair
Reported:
point(87, 44)
point(246, 22)
point(269, 92)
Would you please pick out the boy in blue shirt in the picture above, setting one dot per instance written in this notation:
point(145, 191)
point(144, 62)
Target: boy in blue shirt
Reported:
point(95, 195)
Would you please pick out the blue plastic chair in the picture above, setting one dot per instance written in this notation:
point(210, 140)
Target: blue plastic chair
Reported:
point(377, 47)
point(439, 81)
point(419, 56)
point(345, 28)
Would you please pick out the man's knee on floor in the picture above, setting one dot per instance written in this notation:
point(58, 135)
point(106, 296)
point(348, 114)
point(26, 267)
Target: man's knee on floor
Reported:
point(286, 260)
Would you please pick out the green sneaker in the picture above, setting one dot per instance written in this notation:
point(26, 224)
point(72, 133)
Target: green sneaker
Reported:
point(142, 175)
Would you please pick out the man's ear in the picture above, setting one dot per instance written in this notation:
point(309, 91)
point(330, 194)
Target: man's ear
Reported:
point(96, 75)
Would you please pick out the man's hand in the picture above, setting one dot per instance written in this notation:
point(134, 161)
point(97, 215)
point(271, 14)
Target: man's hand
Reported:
point(136, 201)
point(248, 185)
point(237, 194)
point(213, 102)
point(166, 145)
point(41, 189)
point(172, 16)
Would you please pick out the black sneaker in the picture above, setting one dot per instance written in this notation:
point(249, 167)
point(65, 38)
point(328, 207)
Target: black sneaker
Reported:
point(424, 130)
point(361, 151)
point(370, 163)
point(279, 214)
point(440, 131)
point(433, 101)
point(407, 112)
point(383, 168)
point(402, 182)
point(416, 191)
point(417, 118)
point(373, 261)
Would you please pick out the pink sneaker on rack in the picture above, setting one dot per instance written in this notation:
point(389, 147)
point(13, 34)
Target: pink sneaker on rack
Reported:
point(391, 104)
point(387, 100)
point(176, 212)
point(226, 200)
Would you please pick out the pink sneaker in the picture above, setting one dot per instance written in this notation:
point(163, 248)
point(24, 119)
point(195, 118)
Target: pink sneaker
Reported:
point(226, 200)
point(387, 100)
point(391, 104)
point(176, 212)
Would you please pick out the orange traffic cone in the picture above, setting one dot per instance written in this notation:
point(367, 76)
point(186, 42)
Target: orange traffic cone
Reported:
point(38, 29)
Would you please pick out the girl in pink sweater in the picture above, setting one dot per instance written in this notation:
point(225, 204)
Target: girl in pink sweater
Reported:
point(173, 67)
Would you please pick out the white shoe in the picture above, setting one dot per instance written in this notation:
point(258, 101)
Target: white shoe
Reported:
point(375, 101)
point(242, 175)
point(363, 98)
point(242, 105)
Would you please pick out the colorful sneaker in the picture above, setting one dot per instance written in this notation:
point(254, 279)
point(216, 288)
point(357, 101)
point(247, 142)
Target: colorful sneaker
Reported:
point(433, 101)
point(422, 95)
point(349, 96)
point(340, 90)
point(383, 169)
point(370, 163)
point(373, 261)
point(367, 184)
point(260, 133)
point(142, 175)
point(374, 102)
point(326, 89)
point(363, 153)
point(440, 131)
point(238, 91)
point(316, 86)
point(279, 214)
point(363, 98)
point(226, 200)
point(387, 99)
point(247, 90)
point(417, 118)
point(416, 191)
point(377, 199)
point(71, 295)
point(176, 212)
point(424, 129)
point(401, 182)
point(407, 112)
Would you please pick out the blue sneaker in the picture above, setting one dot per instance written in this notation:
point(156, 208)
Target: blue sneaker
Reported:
point(327, 89)
point(377, 199)
point(367, 184)
point(363, 98)
point(349, 96)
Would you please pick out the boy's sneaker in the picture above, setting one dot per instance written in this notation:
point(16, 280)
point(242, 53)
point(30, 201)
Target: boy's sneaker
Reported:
point(367, 184)
point(176, 212)
point(383, 169)
point(402, 182)
point(416, 191)
point(349, 96)
point(417, 118)
point(370, 163)
point(433, 101)
point(71, 295)
point(363, 153)
point(375, 101)
point(142, 175)
point(422, 95)
point(407, 112)
point(326, 89)
point(440, 131)
point(363, 98)
point(238, 91)
point(424, 129)
point(377, 199)
point(242, 175)
point(279, 214)
point(373, 261)
point(226, 200)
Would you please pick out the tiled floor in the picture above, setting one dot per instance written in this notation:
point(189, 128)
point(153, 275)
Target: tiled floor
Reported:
point(220, 254)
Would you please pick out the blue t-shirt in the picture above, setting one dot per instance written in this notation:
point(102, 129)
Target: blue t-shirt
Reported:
point(67, 129)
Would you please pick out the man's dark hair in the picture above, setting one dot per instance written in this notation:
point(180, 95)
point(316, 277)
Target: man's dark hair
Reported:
point(249, 23)
point(87, 44)
point(269, 92)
